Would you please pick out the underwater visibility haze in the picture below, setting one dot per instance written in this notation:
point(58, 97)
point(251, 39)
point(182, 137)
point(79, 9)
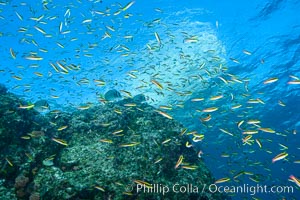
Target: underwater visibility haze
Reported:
point(154, 99)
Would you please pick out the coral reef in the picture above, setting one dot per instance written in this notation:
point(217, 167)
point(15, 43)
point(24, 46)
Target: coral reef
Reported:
point(104, 152)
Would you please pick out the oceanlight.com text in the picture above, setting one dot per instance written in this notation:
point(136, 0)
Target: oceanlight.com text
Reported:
point(212, 188)
point(251, 189)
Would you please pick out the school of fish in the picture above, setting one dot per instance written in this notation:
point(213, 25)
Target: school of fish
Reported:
point(73, 53)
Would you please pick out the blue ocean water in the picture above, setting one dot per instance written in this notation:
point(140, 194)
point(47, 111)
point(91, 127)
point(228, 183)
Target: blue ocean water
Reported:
point(70, 53)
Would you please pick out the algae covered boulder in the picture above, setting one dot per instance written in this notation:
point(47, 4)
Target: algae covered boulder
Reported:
point(125, 150)
point(119, 150)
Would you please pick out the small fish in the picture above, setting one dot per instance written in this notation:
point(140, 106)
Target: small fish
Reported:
point(239, 124)
point(158, 160)
point(222, 180)
point(67, 13)
point(224, 131)
point(166, 141)
point(238, 174)
point(280, 157)
point(281, 103)
point(212, 109)
point(118, 131)
point(54, 96)
point(294, 82)
point(66, 32)
point(271, 80)
point(40, 30)
point(12, 53)
point(258, 142)
point(165, 107)
point(200, 154)
point(60, 141)
point(180, 159)
point(33, 58)
point(197, 99)
point(198, 138)
point(60, 27)
point(164, 114)
point(83, 107)
point(128, 193)
point(17, 78)
point(157, 84)
point(62, 128)
point(247, 139)
point(110, 28)
point(86, 21)
point(37, 18)
point(202, 65)
point(9, 162)
point(157, 37)
point(54, 67)
point(118, 111)
point(26, 106)
point(206, 119)
point(158, 20)
point(236, 106)
point(216, 97)
point(283, 147)
point(130, 105)
point(144, 183)
point(117, 12)
point(60, 45)
point(130, 144)
point(254, 179)
point(38, 74)
point(188, 145)
point(247, 52)
point(250, 132)
point(99, 188)
point(253, 121)
point(128, 37)
point(101, 82)
point(225, 155)
point(127, 6)
point(294, 77)
point(249, 173)
point(29, 156)
point(260, 101)
point(19, 16)
point(106, 141)
point(295, 180)
point(224, 80)
point(26, 137)
point(234, 60)
point(190, 167)
point(183, 132)
point(267, 130)
point(131, 75)
point(192, 39)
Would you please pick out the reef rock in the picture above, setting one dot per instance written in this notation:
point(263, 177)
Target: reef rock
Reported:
point(125, 150)
point(120, 150)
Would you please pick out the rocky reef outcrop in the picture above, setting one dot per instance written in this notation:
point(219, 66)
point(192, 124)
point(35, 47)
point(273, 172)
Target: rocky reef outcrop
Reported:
point(120, 150)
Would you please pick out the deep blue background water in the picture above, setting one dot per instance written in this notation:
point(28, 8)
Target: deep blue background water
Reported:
point(270, 30)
